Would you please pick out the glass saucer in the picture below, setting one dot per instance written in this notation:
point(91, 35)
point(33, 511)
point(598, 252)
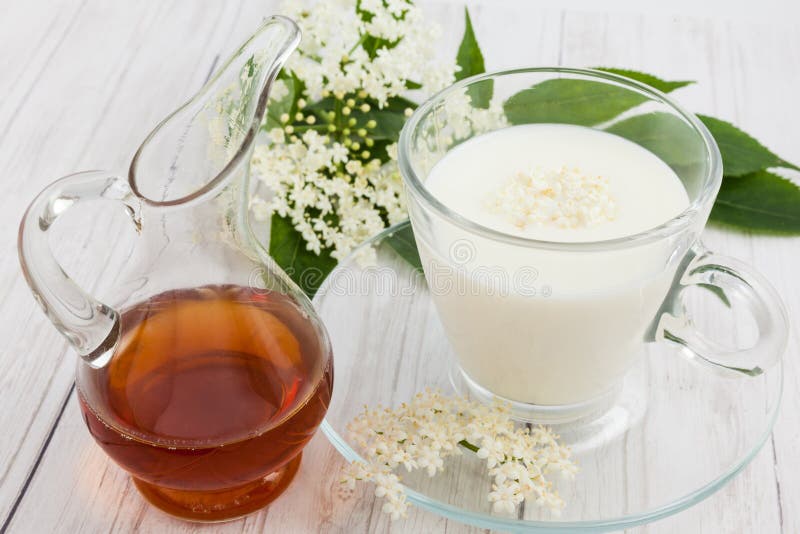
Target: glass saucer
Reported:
point(675, 432)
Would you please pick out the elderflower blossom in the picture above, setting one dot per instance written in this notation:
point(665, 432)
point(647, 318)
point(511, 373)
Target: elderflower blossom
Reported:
point(338, 53)
point(563, 197)
point(464, 119)
point(312, 179)
point(327, 159)
point(421, 434)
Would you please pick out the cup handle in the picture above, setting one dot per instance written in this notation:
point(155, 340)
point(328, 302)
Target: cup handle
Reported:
point(90, 326)
point(742, 287)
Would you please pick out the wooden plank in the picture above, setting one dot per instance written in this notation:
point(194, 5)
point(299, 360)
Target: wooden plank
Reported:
point(137, 62)
point(36, 368)
point(761, 85)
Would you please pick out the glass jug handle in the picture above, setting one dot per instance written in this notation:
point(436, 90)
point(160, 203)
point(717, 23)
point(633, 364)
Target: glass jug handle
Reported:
point(89, 325)
point(742, 288)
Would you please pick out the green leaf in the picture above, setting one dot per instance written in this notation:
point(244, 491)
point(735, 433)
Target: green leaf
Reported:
point(403, 242)
point(741, 154)
point(470, 59)
point(276, 108)
point(663, 134)
point(388, 124)
point(570, 101)
point(760, 201)
point(655, 82)
point(718, 291)
point(372, 44)
point(323, 104)
point(399, 104)
point(389, 119)
point(288, 248)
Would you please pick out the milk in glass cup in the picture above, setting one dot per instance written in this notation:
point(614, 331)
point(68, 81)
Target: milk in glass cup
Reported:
point(555, 244)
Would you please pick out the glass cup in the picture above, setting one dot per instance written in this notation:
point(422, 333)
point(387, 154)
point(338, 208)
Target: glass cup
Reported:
point(553, 327)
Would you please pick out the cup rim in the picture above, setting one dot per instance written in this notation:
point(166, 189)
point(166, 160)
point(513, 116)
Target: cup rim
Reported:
point(712, 183)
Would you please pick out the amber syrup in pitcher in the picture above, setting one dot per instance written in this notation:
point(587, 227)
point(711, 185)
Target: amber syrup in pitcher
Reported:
point(209, 397)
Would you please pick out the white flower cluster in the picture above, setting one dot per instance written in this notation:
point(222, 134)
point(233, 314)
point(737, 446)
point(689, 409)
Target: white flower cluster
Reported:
point(330, 164)
point(458, 119)
point(334, 201)
point(339, 54)
point(565, 197)
point(464, 119)
point(423, 433)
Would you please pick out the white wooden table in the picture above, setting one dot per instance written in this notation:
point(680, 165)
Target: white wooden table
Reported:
point(84, 80)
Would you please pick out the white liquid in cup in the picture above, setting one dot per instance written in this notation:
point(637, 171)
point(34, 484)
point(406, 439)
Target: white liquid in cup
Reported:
point(537, 325)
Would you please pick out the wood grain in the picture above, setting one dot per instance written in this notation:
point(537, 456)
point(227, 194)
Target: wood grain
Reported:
point(83, 82)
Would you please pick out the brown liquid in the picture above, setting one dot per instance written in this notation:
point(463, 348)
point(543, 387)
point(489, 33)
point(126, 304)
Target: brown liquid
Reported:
point(209, 397)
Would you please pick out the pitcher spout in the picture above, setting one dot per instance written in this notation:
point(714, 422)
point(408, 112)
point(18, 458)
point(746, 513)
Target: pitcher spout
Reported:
point(195, 151)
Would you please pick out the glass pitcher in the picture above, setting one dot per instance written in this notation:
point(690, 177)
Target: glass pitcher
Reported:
point(209, 370)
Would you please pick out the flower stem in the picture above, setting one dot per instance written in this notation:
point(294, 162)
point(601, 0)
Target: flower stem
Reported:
point(467, 445)
point(359, 43)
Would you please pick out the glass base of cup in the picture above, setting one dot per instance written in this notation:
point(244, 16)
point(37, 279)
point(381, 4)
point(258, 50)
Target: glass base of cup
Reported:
point(221, 505)
point(585, 411)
